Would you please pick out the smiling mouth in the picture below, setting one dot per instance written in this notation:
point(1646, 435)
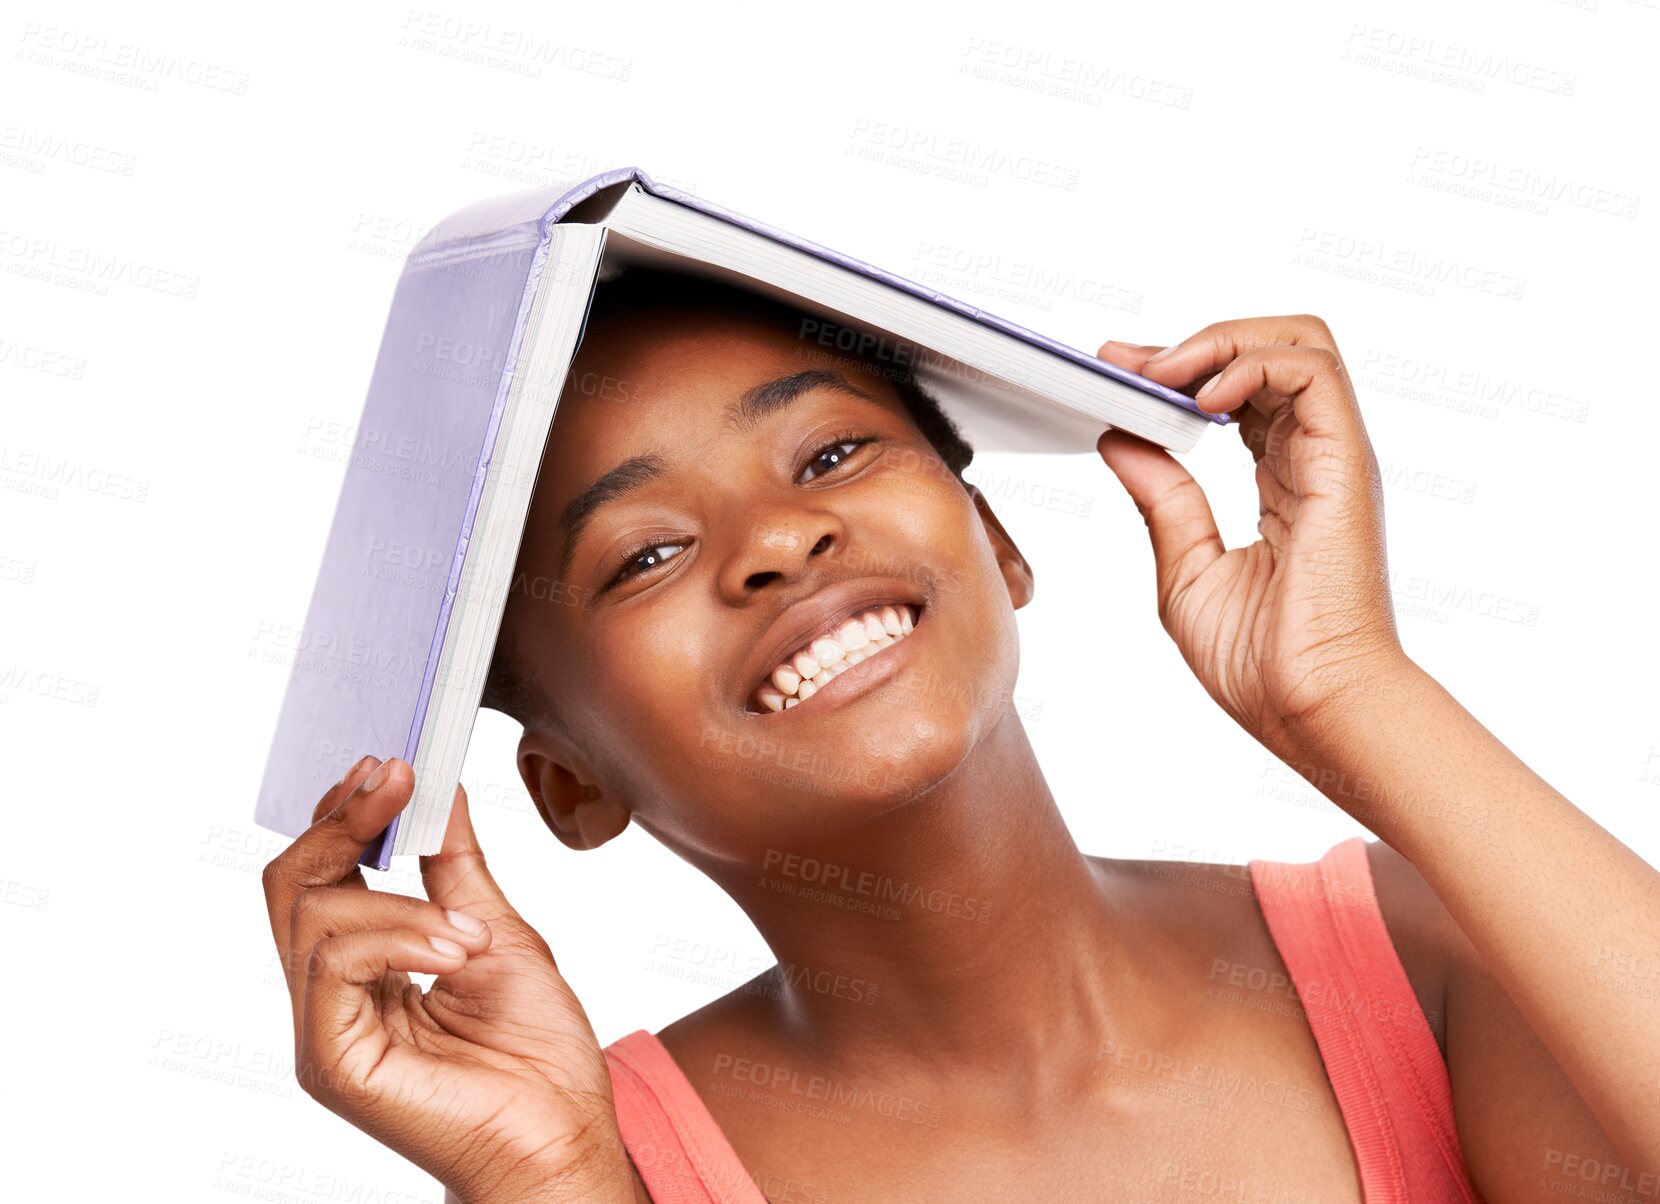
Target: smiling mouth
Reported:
point(850, 641)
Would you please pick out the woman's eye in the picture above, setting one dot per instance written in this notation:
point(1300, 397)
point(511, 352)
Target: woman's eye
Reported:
point(643, 560)
point(832, 456)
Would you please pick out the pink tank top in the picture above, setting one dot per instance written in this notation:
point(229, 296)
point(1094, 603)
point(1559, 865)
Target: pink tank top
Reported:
point(1385, 1068)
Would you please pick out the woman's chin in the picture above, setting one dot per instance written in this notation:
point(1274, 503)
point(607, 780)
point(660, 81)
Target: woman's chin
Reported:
point(891, 757)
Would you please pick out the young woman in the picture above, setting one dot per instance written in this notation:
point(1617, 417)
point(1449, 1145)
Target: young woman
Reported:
point(784, 643)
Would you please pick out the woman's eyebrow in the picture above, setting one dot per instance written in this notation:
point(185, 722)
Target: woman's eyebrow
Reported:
point(744, 415)
point(621, 480)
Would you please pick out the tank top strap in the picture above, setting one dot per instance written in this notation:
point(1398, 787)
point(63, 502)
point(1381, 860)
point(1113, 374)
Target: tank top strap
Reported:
point(673, 1140)
point(1381, 1057)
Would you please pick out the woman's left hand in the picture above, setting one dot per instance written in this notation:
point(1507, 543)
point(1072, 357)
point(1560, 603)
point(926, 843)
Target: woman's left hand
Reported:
point(1300, 622)
point(1532, 927)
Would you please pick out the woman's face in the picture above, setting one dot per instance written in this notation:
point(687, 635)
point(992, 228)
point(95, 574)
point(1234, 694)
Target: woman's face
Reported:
point(704, 513)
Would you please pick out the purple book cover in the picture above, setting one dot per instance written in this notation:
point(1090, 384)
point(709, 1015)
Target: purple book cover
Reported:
point(365, 660)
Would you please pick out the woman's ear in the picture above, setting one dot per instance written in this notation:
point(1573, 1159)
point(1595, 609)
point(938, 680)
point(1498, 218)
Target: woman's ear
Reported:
point(1017, 574)
point(574, 809)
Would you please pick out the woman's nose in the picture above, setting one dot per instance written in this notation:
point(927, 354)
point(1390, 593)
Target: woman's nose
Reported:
point(779, 545)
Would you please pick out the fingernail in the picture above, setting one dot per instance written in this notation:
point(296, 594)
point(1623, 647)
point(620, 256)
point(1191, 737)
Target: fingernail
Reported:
point(465, 922)
point(1157, 356)
point(447, 948)
point(373, 781)
point(1209, 385)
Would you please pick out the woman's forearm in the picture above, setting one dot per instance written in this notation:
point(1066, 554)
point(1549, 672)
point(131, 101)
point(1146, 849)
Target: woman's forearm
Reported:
point(1565, 918)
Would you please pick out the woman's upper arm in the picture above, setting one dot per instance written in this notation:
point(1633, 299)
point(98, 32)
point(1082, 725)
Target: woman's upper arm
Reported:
point(1524, 1131)
point(641, 1195)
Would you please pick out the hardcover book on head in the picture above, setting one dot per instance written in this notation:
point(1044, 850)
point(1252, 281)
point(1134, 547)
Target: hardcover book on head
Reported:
point(487, 316)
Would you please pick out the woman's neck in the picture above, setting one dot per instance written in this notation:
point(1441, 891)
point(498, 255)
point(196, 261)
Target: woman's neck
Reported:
point(962, 928)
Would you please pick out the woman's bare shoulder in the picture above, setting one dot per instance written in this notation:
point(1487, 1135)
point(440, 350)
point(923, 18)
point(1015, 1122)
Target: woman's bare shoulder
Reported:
point(1208, 914)
point(1200, 897)
point(1198, 921)
point(740, 1020)
point(1427, 941)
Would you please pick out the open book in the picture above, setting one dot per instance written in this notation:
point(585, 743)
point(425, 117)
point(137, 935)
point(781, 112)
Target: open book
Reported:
point(487, 317)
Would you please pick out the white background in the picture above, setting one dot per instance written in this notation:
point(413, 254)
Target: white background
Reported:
point(202, 219)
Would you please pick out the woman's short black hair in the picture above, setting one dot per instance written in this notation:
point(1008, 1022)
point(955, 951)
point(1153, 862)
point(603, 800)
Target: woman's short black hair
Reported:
point(640, 293)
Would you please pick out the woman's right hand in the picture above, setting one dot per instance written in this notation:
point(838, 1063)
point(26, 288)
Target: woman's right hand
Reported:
point(492, 1081)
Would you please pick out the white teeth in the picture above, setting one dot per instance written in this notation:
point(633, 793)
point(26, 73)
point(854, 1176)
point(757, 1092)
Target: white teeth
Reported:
point(852, 634)
point(827, 651)
point(856, 640)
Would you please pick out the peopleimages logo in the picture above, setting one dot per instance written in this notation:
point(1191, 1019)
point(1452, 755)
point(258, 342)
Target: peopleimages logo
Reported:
point(1485, 177)
point(516, 51)
point(86, 268)
point(923, 149)
point(1377, 261)
point(830, 876)
point(830, 1092)
point(96, 54)
point(1432, 59)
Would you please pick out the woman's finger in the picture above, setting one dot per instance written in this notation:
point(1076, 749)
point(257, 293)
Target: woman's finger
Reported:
point(456, 876)
point(328, 911)
point(348, 782)
point(1220, 343)
point(340, 1032)
point(1177, 513)
point(338, 794)
point(1311, 380)
point(1253, 432)
point(326, 853)
point(1127, 355)
point(1274, 494)
point(325, 912)
point(1135, 357)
